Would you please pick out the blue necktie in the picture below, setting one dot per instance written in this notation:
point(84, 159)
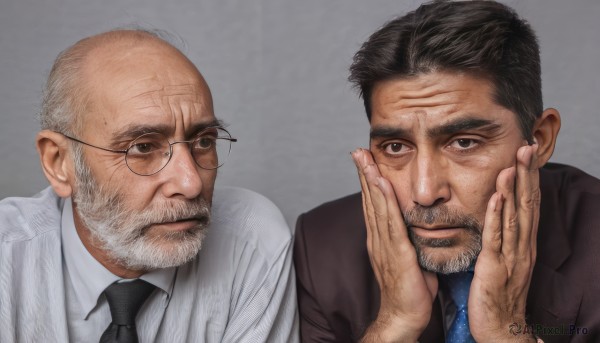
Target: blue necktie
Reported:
point(459, 285)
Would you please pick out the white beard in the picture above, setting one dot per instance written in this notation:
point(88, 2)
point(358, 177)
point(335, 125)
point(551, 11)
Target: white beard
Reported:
point(123, 233)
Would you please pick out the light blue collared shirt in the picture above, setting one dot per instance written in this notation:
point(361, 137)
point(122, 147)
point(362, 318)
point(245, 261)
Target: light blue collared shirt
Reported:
point(240, 287)
point(85, 280)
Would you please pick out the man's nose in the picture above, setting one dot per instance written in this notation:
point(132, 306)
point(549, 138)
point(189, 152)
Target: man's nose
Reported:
point(182, 173)
point(430, 180)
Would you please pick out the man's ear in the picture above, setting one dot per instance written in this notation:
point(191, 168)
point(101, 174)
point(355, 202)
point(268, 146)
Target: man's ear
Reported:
point(545, 131)
point(55, 160)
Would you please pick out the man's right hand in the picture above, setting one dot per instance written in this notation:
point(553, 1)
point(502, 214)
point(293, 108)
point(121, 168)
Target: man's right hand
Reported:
point(407, 292)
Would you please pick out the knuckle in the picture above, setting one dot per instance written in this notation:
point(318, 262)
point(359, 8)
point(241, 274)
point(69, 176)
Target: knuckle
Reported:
point(497, 237)
point(407, 251)
point(527, 202)
point(371, 219)
point(511, 222)
point(525, 260)
point(380, 216)
point(536, 197)
point(369, 168)
point(531, 201)
point(393, 227)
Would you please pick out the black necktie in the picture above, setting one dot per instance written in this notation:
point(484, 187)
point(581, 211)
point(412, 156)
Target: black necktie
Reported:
point(125, 300)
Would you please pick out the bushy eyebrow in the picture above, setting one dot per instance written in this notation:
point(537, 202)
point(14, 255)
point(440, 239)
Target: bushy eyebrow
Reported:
point(463, 124)
point(133, 131)
point(388, 132)
point(448, 129)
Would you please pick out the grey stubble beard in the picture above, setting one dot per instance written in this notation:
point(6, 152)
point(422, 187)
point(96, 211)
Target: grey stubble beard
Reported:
point(460, 261)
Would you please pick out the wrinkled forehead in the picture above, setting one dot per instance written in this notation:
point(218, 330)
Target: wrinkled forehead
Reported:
point(432, 96)
point(159, 108)
point(149, 95)
point(147, 85)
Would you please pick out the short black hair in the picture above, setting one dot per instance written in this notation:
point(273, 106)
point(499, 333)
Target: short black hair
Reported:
point(481, 38)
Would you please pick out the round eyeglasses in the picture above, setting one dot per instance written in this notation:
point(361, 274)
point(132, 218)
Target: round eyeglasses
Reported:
point(151, 152)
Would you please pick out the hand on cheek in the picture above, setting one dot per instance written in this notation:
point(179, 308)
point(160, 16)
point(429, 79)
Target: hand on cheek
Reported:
point(407, 292)
point(503, 271)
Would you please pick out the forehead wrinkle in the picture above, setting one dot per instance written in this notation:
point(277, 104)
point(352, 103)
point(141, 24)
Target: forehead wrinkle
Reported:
point(181, 105)
point(411, 115)
point(185, 94)
point(450, 100)
point(151, 87)
point(145, 97)
point(424, 91)
point(410, 120)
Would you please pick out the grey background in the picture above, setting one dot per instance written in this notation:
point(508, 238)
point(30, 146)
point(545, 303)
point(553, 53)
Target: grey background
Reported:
point(277, 70)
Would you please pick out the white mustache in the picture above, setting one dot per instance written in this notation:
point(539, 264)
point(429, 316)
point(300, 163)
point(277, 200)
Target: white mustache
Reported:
point(160, 214)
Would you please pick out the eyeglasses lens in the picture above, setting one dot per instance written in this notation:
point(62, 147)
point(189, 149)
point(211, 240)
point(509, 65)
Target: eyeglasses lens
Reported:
point(150, 153)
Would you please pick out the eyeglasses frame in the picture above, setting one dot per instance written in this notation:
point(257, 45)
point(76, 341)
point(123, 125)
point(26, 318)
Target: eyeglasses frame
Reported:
point(230, 139)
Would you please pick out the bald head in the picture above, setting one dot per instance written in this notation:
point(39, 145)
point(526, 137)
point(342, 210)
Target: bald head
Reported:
point(114, 48)
point(81, 71)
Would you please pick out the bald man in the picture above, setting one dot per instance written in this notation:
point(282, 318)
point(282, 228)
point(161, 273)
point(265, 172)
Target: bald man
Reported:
point(132, 242)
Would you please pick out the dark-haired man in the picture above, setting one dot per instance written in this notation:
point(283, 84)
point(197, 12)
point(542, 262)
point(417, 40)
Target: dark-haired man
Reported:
point(450, 241)
point(132, 241)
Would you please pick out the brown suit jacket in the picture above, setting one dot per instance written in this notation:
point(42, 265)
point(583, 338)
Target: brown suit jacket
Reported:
point(339, 297)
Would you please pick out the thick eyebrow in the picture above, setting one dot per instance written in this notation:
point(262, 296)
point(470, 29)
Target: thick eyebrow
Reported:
point(196, 128)
point(451, 128)
point(464, 124)
point(388, 132)
point(132, 131)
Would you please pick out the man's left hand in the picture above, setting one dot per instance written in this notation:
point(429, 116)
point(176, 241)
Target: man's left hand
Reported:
point(503, 270)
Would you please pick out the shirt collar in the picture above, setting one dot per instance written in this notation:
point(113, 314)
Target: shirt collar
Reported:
point(89, 277)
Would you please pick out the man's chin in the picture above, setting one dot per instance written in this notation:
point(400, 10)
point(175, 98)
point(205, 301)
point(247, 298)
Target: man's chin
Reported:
point(163, 249)
point(446, 258)
point(452, 251)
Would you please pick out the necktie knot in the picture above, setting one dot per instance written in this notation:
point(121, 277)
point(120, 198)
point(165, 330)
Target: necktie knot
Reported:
point(125, 300)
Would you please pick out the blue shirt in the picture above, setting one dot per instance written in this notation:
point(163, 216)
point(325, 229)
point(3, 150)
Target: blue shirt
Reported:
point(240, 287)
